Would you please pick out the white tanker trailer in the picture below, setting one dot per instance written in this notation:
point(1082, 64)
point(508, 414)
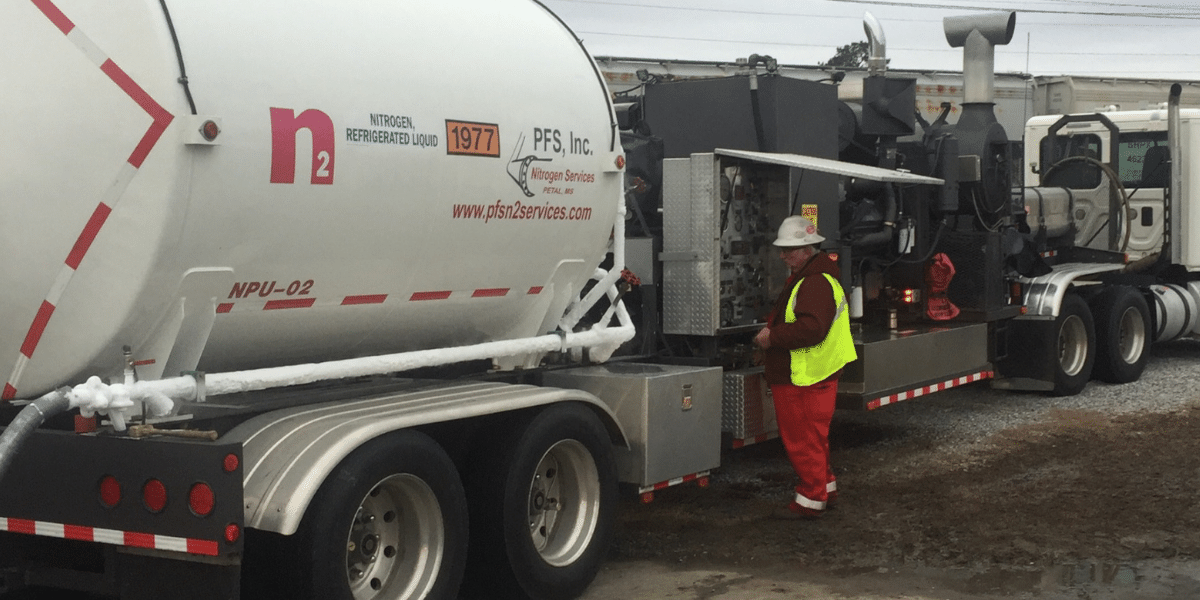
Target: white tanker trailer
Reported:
point(324, 282)
point(227, 224)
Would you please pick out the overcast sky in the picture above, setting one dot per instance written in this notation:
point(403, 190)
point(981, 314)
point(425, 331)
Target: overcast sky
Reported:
point(1151, 39)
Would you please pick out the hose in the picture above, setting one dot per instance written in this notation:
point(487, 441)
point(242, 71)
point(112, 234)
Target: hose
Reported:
point(30, 418)
point(1114, 184)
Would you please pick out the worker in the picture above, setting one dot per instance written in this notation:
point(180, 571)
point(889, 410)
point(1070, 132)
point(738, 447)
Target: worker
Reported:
point(806, 343)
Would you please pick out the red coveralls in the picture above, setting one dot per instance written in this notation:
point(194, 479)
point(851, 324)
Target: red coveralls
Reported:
point(804, 413)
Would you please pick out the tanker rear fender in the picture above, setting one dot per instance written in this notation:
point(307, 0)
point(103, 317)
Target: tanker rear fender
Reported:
point(288, 453)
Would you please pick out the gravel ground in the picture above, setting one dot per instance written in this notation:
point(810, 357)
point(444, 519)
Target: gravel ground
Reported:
point(987, 493)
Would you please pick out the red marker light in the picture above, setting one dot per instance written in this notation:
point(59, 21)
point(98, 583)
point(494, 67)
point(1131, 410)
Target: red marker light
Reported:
point(621, 162)
point(209, 130)
point(231, 463)
point(154, 496)
point(110, 491)
point(201, 500)
point(232, 532)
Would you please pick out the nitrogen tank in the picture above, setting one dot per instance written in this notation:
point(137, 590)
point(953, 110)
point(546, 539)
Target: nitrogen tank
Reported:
point(227, 185)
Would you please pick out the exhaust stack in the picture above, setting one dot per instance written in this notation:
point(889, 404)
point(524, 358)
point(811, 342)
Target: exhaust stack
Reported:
point(978, 35)
point(877, 45)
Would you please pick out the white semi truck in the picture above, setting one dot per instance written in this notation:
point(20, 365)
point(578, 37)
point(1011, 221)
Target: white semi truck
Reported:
point(342, 307)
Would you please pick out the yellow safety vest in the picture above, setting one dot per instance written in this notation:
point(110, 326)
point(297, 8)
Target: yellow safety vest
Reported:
point(815, 364)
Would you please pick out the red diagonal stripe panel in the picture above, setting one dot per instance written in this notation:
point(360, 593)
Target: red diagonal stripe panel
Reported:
point(161, 117)
point(90, 231)
point(56, 16)
point(37, 329)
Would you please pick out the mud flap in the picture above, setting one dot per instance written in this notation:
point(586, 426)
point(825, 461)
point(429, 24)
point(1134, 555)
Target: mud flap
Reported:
point(1026, 355)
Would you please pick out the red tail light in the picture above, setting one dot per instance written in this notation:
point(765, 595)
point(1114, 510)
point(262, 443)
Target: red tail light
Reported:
point(232, 532)
point(201, 499)
point(110, 491)
point(154, 495)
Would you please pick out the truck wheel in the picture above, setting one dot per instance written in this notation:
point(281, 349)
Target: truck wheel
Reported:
point(543, 498)
point(389, 522)
point(1076, 340)
point(1122, 334)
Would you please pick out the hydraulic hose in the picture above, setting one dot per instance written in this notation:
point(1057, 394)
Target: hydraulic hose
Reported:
point(29, 419)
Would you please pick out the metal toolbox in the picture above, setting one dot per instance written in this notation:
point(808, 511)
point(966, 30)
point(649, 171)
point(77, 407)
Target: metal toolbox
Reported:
point(671, 416)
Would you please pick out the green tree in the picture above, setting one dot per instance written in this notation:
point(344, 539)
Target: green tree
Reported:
point(850, 55)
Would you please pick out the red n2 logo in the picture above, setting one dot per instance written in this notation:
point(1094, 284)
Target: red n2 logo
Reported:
point(285, 124)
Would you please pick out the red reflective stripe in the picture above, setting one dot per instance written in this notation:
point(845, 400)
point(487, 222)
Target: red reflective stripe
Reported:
point(490, 293)
point(56, 16)
point(929, 389)
point(161, 117)
point(10, 392)
point(368, 299)
point(78, 532)
point(533, 291)
point(22, 526)
point(418, 296)
point(139, 540)
point(37, 329)
point(90, 231)
point(291, 303)
point(224, 307)
point(142, 363)
point(205, 547)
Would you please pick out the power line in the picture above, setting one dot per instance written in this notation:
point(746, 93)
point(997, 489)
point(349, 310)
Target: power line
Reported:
point(1189, 13)
point(890, 48)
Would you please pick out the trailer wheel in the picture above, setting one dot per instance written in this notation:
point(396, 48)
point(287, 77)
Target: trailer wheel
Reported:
point(1076, 343)
point(543, 498)
point(1122, 334)
point(389, 522)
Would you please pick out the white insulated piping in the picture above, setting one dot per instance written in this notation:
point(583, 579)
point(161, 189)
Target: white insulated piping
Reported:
point(116, 400)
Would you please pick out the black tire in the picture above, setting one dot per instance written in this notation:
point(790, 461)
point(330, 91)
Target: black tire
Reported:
point(1074, 347)
point(521, 544)
point(395, 511)
point(1122, 320)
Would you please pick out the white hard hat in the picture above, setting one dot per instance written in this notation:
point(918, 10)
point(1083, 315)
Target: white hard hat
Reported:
point(797, 231)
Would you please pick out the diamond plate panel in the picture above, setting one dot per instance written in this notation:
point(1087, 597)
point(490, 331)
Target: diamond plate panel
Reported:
point(747, 410)
point(690, 246)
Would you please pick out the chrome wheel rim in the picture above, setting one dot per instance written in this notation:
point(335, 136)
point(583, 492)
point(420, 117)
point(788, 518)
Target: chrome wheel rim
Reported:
point(396, 541)
point(564, 503)
point(1072, 345)
point(1132, 335)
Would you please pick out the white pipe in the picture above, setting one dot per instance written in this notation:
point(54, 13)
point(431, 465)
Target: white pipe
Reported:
point(261, 379)
point(114, 400)
point(578, 310)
